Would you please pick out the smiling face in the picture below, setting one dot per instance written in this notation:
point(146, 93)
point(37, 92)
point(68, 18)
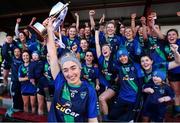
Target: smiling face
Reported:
point(172, 36)
point(146, 63)
point(35, 56)
point(84, 44)
point(128, 33)
point(106, 51)
point(157, 80)
point(72, 32)
point(123, 59)
point(71, 72)
point(89, 57)
point(9, 39)
point(17, 53)
point(22, 37)
point(26, 57)
point(110, 29)
point(87, 31)
point(140, 31)
point(81, 32)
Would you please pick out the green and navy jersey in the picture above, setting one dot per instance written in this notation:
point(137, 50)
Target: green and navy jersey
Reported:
point(16, 62)
point(162, 66)
point(26, 45)
point(42, 49)
point(107, 71)
point(170, 57)
point(114, 41)
point(90, 74)
point(69, 43)
point(47, 72)
point(73, 103)
point(130, 80)
point(155, 49)
point(159, 91)
point(134, 48)
point(26, 86)
point(7, 51)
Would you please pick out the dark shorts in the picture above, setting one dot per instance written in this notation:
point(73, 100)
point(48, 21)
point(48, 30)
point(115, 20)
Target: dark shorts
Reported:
point(28, 88)
point(28, 94)
point(41, 92)
point(7, 65)
point(174, 77)
point(51, 90)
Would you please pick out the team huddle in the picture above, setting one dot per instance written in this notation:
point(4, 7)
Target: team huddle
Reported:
point(106, 72)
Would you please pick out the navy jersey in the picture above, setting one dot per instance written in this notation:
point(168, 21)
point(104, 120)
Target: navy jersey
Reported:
point(159, 91)
point(130, 76)
point(114, 42)
point(162, 66)
point(1, 56)
point(72, 104)
point(26, 86)
point(26, 45)
point(82, 54)
point(47, 72)
point(68, 42)
point(91, 41)
point(107, 71)
point(155, 49)
point(152, 107)
point(42, 49)
point(90, 74)
point(134, 48)
point(7, 51)
point(170, 57)
point(16, 62)
point(36, 69)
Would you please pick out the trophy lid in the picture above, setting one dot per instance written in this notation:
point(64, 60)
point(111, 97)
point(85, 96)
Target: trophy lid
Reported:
point(57, 8)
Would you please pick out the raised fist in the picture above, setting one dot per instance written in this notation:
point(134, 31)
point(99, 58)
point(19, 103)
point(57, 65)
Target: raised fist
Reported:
point(18, 20)
point(76, 14)
point(133, 15)
point(91, 12)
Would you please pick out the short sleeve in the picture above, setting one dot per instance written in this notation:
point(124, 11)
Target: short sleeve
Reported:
point(93, 106)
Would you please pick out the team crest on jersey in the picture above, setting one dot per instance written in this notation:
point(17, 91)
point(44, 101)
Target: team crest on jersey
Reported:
point(161, 91)
point(132, 68)
point(83, 95)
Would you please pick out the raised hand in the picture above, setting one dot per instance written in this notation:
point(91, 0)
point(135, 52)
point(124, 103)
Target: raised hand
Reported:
point(143, 20)
point(174, 47)
point(178, 13)
point(18, 20)
point(133, 15)
point(92, 13)
point(76, 14)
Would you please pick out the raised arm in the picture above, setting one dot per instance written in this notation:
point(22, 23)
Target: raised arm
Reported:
point(133, 23)
point(92, 23)
point(51, 48)
point(32, 21)
point(176, 62)
point(143, 22)
point(77, 21)
point(153, 27)
point(16, 30)
point(102, 19)
point(98, 48)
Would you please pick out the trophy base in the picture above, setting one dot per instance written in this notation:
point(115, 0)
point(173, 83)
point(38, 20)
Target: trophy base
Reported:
point(34, 30)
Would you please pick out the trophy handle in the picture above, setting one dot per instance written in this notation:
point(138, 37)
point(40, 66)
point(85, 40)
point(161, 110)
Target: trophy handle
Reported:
point(39, 30)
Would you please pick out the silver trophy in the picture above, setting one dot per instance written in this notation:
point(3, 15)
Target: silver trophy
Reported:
point(58, 11)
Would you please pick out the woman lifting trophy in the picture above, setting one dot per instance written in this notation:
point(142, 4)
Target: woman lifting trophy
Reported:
point(59, 12)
